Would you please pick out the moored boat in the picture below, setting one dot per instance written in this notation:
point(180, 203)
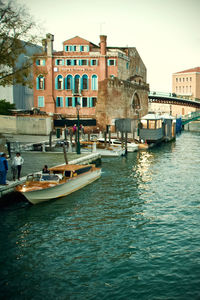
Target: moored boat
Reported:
point(61, 181)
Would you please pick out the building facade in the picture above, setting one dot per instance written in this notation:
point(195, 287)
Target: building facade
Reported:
point(108, 82)
point(187, 83)
point(18, 94)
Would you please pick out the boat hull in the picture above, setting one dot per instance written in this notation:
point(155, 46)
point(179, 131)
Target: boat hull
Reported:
point(63, 189)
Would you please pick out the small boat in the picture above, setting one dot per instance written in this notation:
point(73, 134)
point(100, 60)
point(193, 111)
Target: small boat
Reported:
point(131, 146)
point(61, 181)
point(104, 151)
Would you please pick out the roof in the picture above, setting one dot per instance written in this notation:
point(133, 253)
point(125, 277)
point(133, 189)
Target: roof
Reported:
point(193, 70)
point(78, 40)
point(152, 116)
point(167, 117)
point(67, 167)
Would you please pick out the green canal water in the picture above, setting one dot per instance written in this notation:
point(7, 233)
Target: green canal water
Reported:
point(133, 234)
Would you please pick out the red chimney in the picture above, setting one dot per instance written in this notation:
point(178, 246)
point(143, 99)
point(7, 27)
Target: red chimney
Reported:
point(103, 44)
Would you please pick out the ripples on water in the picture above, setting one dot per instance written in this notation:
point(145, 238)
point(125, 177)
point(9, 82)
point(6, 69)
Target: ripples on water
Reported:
point(133, 234)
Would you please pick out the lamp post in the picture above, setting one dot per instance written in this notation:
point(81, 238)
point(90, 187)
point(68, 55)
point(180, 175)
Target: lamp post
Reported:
point(78, 148)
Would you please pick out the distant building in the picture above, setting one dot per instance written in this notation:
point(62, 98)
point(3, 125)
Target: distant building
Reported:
point(187, 83)
point(21, 96)
point(108, 82)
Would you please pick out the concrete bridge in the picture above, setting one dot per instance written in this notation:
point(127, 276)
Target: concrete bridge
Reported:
point(172, 98)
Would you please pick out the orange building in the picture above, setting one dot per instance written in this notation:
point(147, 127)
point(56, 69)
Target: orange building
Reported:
point(187, 83)
point(108, 82)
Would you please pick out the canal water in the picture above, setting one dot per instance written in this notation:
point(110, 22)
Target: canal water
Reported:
point(133, 234)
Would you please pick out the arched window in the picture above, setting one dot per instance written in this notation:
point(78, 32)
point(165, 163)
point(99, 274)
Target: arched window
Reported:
point(94, 82)
point(68, 82)
point(59, 82)
point(77, 84)
point(84, 82)
point(136, 102)
point(40, 82)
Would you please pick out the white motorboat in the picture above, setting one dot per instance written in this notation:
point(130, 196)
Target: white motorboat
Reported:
point(61, 181)
point(131, 146)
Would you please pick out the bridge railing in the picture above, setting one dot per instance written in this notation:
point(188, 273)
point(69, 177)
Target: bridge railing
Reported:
point(153, 93)
point(191, 116)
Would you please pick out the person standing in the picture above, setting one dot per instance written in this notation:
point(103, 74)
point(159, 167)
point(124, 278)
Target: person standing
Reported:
point(3, 168)
point(17, 165)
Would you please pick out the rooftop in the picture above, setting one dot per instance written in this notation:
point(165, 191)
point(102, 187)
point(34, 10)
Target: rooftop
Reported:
point(193, 70)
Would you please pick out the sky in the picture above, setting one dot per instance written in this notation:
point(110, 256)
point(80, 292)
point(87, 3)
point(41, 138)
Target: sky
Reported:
point(166, 33)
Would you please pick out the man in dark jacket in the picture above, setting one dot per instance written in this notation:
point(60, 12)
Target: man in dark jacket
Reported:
point(3, 168)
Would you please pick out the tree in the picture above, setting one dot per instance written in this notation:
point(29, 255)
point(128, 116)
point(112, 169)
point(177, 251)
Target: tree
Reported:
point(5, 107)
point(16, 37)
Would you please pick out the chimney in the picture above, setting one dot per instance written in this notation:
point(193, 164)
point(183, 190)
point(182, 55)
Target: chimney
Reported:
point(103, 44)
point(44, 45)
point(49, 41)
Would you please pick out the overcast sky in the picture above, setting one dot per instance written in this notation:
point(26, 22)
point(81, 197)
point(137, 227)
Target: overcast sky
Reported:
point(166, 33)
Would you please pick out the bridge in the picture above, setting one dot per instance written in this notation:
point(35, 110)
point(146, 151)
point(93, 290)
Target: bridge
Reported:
point(190, 117)
point(172, 98)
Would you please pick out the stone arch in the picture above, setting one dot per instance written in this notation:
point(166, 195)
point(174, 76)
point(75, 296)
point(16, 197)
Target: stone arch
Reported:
point(135, 101)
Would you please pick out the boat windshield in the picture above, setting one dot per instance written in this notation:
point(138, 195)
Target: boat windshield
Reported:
point(50, 177)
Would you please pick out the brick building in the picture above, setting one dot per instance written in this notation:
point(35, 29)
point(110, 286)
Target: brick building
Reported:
point(108, 82)
point(187, 83)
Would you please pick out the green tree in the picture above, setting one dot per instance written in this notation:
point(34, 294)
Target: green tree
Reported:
point(17, 34)
point(6, 107)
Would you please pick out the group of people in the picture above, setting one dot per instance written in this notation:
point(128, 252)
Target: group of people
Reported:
point(16, 167)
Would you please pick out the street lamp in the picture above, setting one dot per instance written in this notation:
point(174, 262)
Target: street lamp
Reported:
point(78, 148)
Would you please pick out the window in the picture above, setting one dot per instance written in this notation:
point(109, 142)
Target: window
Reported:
point(40, 62)
point(127, 65)
point(68, 62)
point(179, 79)
point(59, 101)
point(190, 78)
point(59, 62)
point(76, 84)
point(84, 48)
point(94, 62)
point(83, 62)
point(68, 48)
point(40, 101)
point(84, 102)
point(68, 101)
point(40, 82)
point(93, 101)
point(59, 82)
point(183, 79)
point(85, 82)
point(77, 101)
point(111, 62)
point(186, 78)
point(68, 82)
point(152, 124)
point(94, 83)
point(176, 79)
point(158, 124)
point(75, 62)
